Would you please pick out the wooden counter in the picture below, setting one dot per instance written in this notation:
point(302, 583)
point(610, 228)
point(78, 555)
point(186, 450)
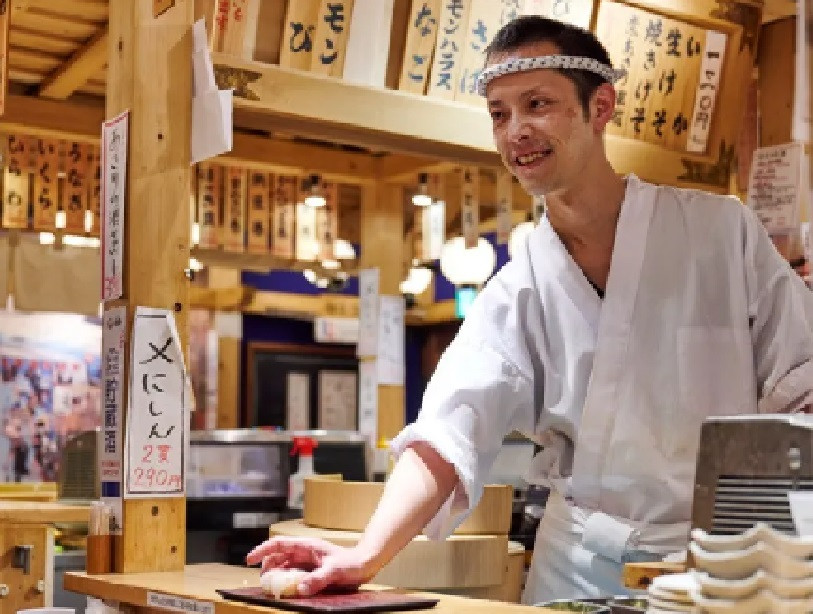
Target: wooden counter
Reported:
point(35, 512)
point(199, 582)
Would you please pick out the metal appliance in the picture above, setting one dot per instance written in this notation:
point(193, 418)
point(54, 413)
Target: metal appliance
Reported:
point(237, 485)
point(746, 466)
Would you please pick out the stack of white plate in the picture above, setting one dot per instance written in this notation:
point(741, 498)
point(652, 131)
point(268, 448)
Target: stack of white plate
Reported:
point(672, 593)
point(758, 571)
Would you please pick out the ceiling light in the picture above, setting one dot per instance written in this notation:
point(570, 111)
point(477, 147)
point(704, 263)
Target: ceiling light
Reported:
point(195, 264)
point(61, 219)
point(471, 266)
point(315, 198)
point(195, 236)
point(88, 220)
point(330, 264)
point(343, 250)
point(309, 275)
point(417, 281)
point(421, 198)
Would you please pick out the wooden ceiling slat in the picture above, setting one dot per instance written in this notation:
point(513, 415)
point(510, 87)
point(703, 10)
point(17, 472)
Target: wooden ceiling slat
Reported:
point(23, 37)
point(75, 72)
point(51, 24)
point(28, 59)
point(90, 10)
point(24, 76)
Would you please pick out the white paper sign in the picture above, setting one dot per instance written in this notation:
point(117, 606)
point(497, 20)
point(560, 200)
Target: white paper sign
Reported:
point(368, 401)
point(711, 68)
point(337, 400)
point(335, 330)
point(391, 340)
point(157, 434)
point(307, 247)
point(368, 313)
point(179, 604)
point(801, 510)
point(114, 182)
point(212, 132)
point(114, 324)
point(774, 186)
point(298, 402)
point(576, 12)
point(433, 224)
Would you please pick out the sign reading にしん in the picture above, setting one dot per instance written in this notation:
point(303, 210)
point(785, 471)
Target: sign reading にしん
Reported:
point(673, 72)
point(156, 432)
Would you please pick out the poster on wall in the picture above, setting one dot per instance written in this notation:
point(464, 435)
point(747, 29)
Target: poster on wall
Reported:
point(774, 187)
point(298, 401)
point(337, 400)
point(50, 390)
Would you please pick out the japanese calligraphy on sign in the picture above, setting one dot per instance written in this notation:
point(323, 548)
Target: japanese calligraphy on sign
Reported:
point(368, 400)
point(93, 217)
point(454, 17)
point(74, 195)
point(210, 179)
point(390, 357)
point(774, 187)
point(114, 181)
point(420, 42)
point(673, 72)
point(330, 37)
point(260, 186)
point(505, 219)
point(46, 181)
point(284, 212)
point(327, 221)
point(299, 30)
point(307, 245)
point(16, 182)
point(114, 325)
point(470, 205)
point(157, 414)
point(368, 312)
point(235, 210)
point(234, 20)
point(576, 12)
point(484, 21)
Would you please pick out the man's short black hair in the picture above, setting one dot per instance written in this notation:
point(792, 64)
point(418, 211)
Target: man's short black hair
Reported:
point(571, 40)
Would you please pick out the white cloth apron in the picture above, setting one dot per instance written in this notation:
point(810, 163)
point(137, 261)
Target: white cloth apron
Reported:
point(580, 554)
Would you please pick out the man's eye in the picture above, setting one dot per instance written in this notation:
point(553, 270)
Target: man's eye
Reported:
point(497, 116)
point(538, 103)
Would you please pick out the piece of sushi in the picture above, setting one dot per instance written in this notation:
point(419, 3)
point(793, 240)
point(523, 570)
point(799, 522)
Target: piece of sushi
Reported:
point(282, 582)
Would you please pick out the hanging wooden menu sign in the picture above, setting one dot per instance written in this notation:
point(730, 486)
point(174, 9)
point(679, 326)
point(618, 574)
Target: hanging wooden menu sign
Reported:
point(238, 27)
point(31, 158)
point(5, 15)
point(673, 71)
point(470, 205)
point(420, 43)
point(454, 17)
point(284, 212)
point(210, 183)
point(484, 21)
point(259, 215)
point(234, 227)
point(505, 219)
point(16, 183)
point(330, 40)
point(45, 185)
point(94, 162)
point(297, 40)
point(74, 197)
point(327, 221)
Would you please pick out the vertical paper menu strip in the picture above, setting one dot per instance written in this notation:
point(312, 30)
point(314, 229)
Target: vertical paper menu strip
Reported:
point(74, 196)
point(259, 195)
point(284, 212)
point(45, 185)
point(234, 224)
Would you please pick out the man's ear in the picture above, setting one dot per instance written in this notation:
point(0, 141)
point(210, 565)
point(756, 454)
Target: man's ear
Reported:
point(602, 106)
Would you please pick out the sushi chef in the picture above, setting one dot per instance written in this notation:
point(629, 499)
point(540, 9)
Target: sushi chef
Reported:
point(633, 312)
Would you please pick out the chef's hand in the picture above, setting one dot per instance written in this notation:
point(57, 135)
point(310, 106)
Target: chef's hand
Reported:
point(331, 565)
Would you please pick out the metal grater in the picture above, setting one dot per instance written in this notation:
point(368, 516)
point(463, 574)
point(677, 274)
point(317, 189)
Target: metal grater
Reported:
point(79, 469)
point(745, 467)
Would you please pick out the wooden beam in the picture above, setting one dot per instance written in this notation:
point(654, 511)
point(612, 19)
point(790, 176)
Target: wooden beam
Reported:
point(261, 262)
point(273, 98)
point(299, 305)
point(405, 169)
point(81, 122)
point(299, 158)
point(151, 75)
point(81, 66)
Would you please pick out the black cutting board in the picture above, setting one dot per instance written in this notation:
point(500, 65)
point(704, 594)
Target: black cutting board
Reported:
point(359, 601)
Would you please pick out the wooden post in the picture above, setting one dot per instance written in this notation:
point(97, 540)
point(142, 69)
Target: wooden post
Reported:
point(150, 73)
point(382, 244)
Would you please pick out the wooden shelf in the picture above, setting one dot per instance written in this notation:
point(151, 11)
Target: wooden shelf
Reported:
point(268, 97)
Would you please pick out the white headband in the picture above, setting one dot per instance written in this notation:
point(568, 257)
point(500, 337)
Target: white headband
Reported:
point(609, 73)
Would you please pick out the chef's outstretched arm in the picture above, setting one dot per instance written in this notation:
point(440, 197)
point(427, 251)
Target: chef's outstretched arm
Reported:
point(419, 484)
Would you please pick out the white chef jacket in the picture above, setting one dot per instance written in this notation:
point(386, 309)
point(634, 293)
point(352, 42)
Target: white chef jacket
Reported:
point(701, 316)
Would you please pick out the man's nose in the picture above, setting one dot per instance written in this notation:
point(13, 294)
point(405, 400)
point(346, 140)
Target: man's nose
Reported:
point(519, 128)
